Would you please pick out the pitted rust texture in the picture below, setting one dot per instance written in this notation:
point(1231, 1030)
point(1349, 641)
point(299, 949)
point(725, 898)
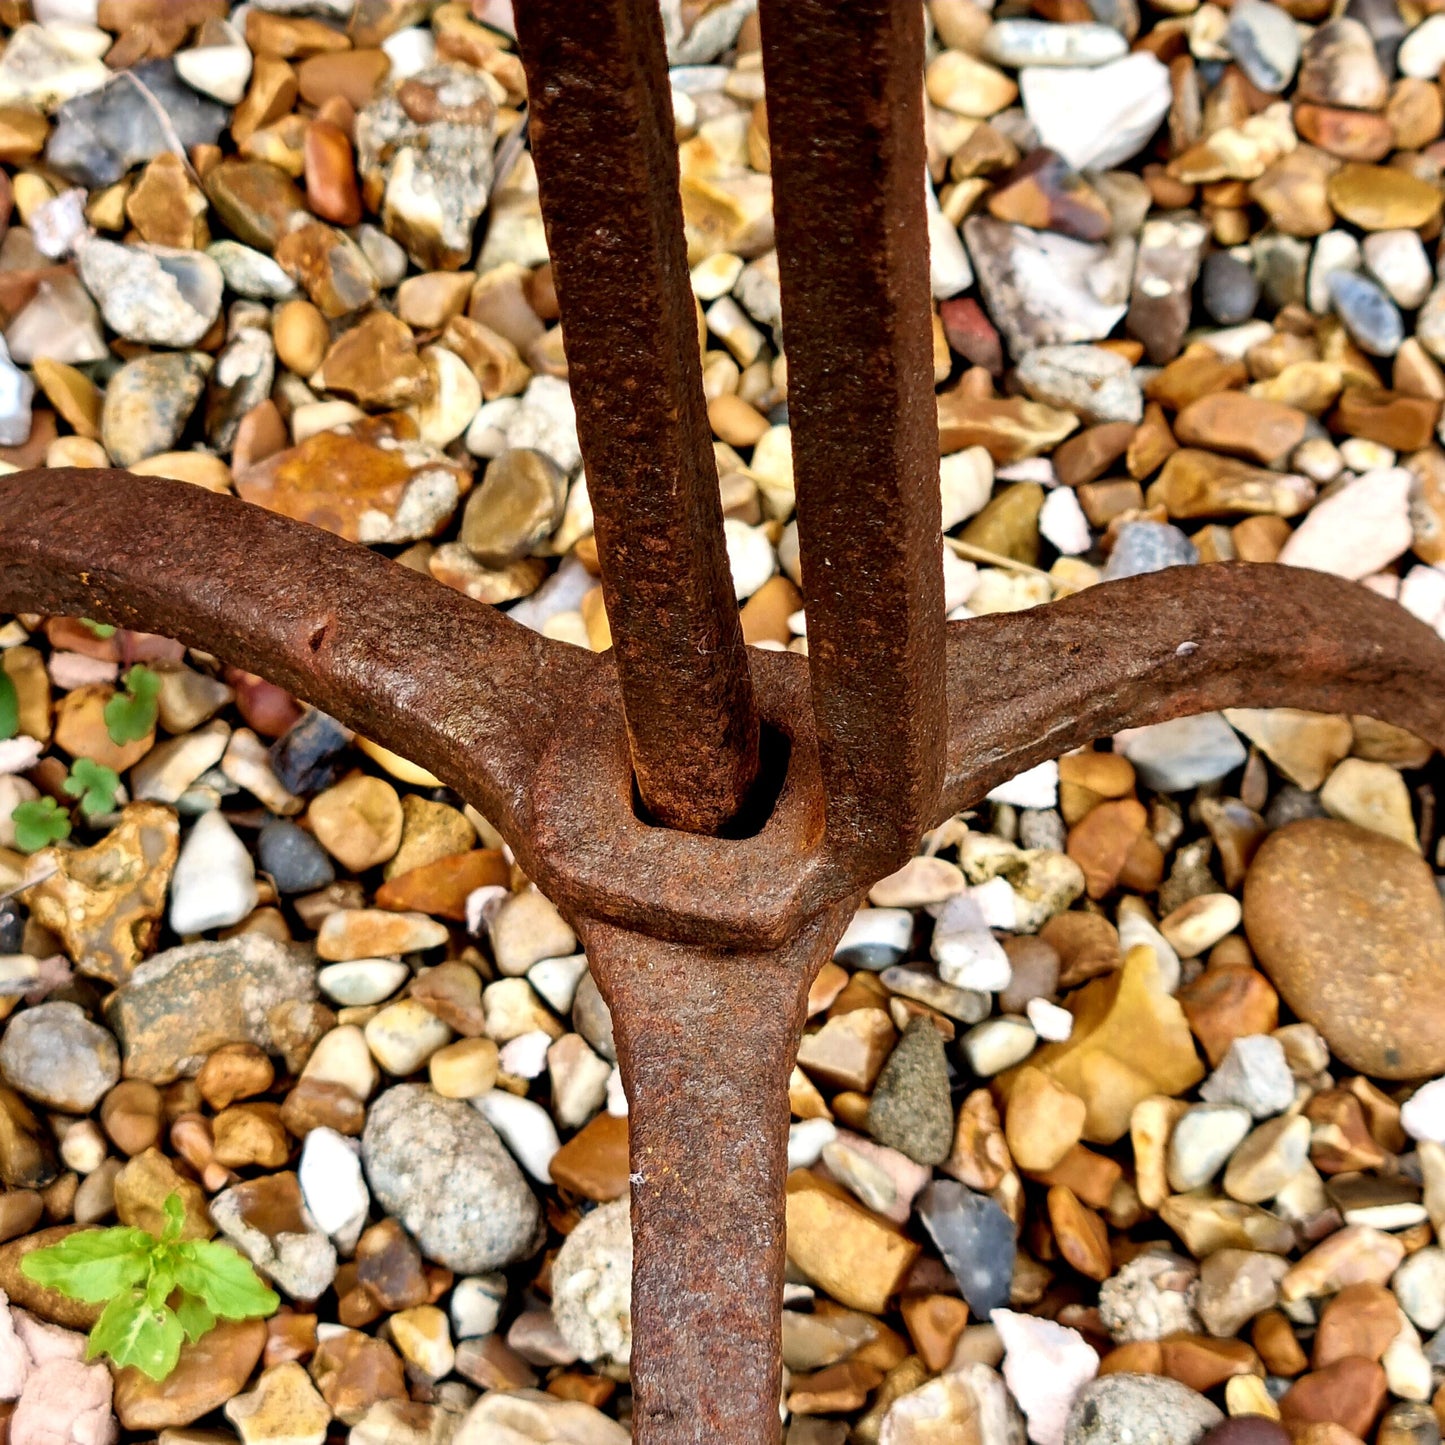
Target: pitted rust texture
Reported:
point(600, 121)
point(845, 121)
point(704, 945)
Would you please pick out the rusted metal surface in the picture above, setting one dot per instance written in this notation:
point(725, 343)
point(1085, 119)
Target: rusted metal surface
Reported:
point(1031, 685)
point(705, 945)
point(706, 1042)
point(845, 117)
point(448, 682)
point(600, 120)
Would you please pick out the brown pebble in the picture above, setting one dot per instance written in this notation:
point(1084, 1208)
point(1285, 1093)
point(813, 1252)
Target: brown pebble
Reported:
point(1274, 1337)
point(234, 1071)
point(352, 74)
point(130, 1114)
point(1360, 1320)
point(1351, 1392)
point(330, 169)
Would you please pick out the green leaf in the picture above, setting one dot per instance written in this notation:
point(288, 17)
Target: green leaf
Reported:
point(39, 822)
point(195, 1315)
point(92, 1264)
point(133, 1332)
point(9, 707)
point(175, 1210)
point(94, 784)
point(224, 1279)
point(130, 715)
point(101, 630)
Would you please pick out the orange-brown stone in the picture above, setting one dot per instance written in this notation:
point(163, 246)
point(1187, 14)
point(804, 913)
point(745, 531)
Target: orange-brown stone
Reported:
point(351, 483)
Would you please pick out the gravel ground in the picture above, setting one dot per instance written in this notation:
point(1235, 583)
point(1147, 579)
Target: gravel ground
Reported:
point(1121, 1108)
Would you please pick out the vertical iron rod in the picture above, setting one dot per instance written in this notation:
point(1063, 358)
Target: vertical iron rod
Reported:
point(845, 117)
point(600, 117)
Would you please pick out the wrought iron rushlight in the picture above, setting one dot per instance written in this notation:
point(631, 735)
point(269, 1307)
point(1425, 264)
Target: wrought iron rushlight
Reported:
point(773, 789)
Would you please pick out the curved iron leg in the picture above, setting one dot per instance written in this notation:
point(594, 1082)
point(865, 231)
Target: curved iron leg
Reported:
point(1028, 686)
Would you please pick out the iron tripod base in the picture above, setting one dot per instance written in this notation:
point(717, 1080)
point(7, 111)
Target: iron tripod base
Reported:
point(706, 1041)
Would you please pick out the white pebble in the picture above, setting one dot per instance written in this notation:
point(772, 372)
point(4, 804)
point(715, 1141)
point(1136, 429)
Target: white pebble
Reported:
point(525, 1128)
point(751, 558)
point(214, 883)
point(362, 981)
point(1050, 1021)
point(807, 1140)
point(1062, 522)
point(409, 51)
point(966, 952)
point(1422, 1116)
point(525, 1056)
point(1037, 787)
point(966, 480)
point(556, 979)
point(1422, 52)
point(616, 1094)
point(333, 1186)
point(476, 1305)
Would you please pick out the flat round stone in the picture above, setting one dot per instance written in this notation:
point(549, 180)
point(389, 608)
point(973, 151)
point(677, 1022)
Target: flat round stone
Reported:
point(1351, 929)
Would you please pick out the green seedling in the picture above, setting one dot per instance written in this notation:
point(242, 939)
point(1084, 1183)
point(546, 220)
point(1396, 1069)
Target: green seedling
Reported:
point(157, 1292)
point(39, 822)
point(9, 707)
point(130, 715)
point(94, 784)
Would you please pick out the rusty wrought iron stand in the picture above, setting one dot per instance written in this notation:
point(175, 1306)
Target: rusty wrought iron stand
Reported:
point(773, 789)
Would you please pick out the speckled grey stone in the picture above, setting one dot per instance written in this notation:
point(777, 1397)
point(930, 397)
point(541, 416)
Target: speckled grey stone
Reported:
point(1139, 1409)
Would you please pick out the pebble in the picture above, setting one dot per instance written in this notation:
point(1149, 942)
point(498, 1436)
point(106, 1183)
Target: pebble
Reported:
point(1422, 53)
point(148, 403)
point(1203, 1139)
point(56, 1056)
point(1172, 757)
point(1265, 44)
point(1142, 547)
point(1100, 116)
point(976, 1239)
point(266, 1219)
point(403, 1035)
point(1315, 882)
point(1041, 290)
point(294, 860)
point(1096, 383)
point(1368, 313)
point(525, 1127)
point(283, 1405)
point(909, 1109)
point(970, 1397)
point(966, 952)
point(526, 929)
point(438, 1166)
point(1422, 1115)
point(1268, 1160)
point(353, 933)
point(591, 1286)
point(875, 939)
point(181, 1004)
point(1017, 43)
point(1255, 1075)
point(1045, 1366)
point(1398, 261)
point(525, 1416)
point(154, 294)
point(1144, 1409)
point(214, 883)
point(997, 1044)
